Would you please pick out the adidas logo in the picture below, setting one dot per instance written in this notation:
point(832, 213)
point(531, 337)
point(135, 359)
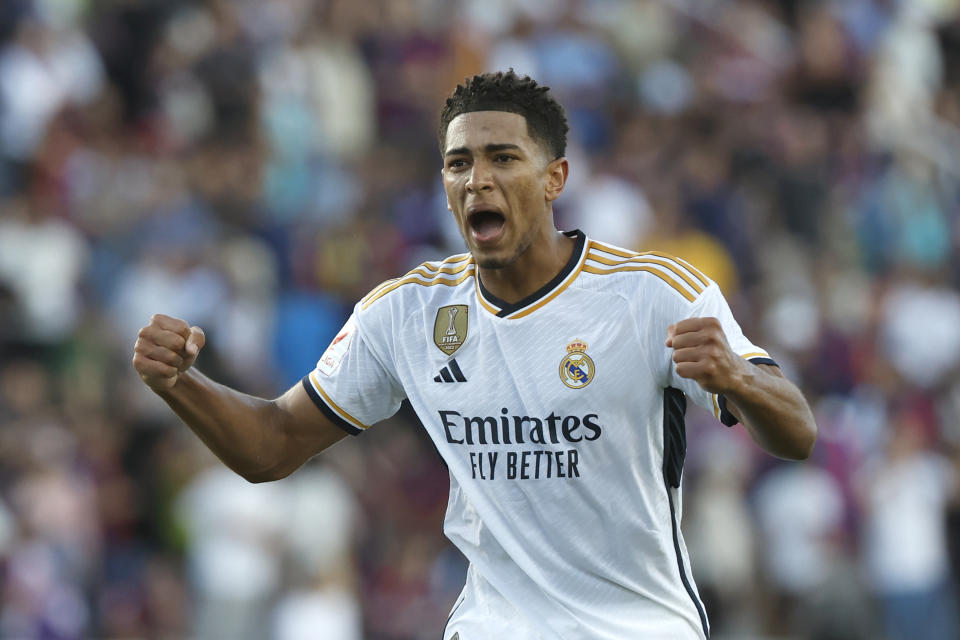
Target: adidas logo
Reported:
point(450, 373)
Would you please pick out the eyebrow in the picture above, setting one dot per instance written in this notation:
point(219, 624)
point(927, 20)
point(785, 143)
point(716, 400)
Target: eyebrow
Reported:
point(490, 148)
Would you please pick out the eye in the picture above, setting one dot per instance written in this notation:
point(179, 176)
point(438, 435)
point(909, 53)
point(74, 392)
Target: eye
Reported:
point(504, 157)
point(456, 164)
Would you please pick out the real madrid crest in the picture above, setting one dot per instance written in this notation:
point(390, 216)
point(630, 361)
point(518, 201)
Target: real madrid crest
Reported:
point(450, 328)
point(576, 368)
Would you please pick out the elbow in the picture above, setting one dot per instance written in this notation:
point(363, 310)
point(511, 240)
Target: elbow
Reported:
point(794, 442)
point(802, 447)
point(258, 475)
point(802, 453)
point(271, 460)
point(810, 440)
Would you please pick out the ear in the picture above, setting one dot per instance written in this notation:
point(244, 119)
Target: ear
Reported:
point(557, 172)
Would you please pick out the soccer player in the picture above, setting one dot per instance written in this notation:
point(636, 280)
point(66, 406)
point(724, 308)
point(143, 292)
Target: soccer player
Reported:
point(552, 372)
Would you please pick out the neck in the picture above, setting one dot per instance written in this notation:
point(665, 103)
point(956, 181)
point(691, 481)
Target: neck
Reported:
point(534, 268)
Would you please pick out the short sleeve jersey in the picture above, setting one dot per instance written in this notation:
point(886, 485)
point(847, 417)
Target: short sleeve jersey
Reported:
point(560, 418)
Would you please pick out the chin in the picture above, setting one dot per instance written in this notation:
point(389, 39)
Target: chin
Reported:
point(491, 259)
point(499, 259)
point(491, 262)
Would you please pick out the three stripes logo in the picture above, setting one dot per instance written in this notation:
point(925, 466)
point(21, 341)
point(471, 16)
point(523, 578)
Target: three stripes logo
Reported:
point(450, 373)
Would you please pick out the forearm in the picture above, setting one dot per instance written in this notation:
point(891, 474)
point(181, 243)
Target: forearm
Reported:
point(774, 412)
point(244, 431)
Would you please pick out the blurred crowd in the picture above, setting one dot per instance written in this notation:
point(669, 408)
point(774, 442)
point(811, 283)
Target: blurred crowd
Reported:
point(255, 166)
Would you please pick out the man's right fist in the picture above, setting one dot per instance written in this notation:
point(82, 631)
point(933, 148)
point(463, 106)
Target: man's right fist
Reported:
point(166, 348)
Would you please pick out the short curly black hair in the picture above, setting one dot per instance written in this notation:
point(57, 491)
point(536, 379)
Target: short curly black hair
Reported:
point(507, 91)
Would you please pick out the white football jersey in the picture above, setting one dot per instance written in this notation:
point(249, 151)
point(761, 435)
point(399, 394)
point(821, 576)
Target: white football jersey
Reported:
point(560, 418)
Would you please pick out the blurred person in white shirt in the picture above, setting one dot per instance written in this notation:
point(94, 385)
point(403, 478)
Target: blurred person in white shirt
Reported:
point(905, 495)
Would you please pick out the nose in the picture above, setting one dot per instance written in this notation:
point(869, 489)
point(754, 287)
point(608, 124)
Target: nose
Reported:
point(480, 178)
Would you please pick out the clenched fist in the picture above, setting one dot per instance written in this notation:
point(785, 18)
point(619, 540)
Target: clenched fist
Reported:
point(166, 348)
point(701, 353)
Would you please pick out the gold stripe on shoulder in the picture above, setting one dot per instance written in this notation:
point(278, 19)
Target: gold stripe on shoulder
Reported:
point(620, 253)
point(459, 257)
point(636, 267)
point(377, 288)
point(696, 272)
point(758, 354)
point(678, 271)
point(413, 279)
point(431, 272)
point(422, 270)
point(607, 261)
point(623, 253)
point(452, 260)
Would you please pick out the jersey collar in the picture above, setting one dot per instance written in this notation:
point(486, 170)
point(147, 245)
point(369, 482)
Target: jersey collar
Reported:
point(544, 294)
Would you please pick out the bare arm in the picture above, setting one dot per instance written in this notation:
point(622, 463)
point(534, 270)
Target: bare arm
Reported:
point(259, 439)
point(774, 412)
point(771, 407)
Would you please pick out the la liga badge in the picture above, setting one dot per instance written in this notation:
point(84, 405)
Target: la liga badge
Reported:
point(333, 356)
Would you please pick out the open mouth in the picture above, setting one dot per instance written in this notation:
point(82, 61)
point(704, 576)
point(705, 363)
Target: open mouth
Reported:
point(486, 225)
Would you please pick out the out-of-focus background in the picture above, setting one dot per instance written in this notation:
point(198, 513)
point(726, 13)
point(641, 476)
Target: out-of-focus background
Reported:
point(255, 166)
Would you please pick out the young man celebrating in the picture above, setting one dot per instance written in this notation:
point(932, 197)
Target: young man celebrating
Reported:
point(551, 372)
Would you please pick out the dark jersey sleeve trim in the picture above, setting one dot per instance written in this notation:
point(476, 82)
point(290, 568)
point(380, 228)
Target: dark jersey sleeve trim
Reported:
point(728, 418)
point(327, 411)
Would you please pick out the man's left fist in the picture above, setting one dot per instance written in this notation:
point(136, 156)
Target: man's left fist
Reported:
point(701, 353)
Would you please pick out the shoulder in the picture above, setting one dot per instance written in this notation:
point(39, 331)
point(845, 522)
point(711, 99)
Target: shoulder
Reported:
point(650, 272)
point(429, 276)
